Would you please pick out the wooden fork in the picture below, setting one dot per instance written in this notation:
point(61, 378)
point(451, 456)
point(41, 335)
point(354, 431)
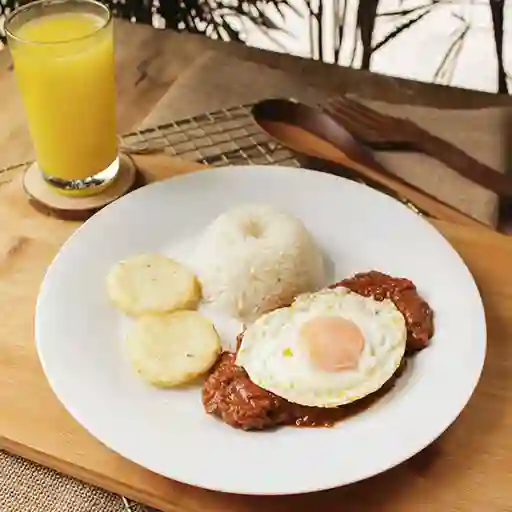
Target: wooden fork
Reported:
point(386, 132)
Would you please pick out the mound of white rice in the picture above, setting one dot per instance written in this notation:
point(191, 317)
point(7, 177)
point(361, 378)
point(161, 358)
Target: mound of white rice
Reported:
point(255, 258)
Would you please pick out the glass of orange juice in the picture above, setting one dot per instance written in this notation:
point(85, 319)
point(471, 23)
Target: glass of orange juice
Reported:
point(63, 54)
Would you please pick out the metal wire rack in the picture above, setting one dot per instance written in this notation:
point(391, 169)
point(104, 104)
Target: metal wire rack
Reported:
point(227, 136)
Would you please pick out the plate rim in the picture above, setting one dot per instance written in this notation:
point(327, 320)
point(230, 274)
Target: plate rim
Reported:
point(471, 386)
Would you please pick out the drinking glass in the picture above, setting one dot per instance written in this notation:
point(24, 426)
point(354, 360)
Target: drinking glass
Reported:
point(63, 54)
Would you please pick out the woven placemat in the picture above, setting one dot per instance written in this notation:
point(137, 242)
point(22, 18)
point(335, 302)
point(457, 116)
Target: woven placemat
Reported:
point(29, 487)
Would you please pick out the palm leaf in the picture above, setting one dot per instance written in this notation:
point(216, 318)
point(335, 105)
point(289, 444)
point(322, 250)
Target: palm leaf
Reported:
point(401, 28)
point(447, 66)
point(410, 10)
point(209, 17)
point(497, 13)
point(256, 16)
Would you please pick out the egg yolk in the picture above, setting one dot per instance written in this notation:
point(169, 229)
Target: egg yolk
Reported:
point(333, 343)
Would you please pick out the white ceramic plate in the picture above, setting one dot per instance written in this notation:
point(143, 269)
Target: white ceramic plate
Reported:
point(79, 335)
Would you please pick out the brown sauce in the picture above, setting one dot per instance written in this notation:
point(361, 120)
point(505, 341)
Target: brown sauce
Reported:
point(229, 394)
point(302, 416)
point(419, 317)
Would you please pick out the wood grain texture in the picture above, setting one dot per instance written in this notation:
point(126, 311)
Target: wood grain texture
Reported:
point(468, 469)
point(69, 207)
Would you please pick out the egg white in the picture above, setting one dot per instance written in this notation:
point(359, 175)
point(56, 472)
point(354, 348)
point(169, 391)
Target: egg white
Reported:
point(275, 359)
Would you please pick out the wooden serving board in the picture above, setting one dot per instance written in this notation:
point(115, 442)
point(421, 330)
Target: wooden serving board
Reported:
point(467, 469)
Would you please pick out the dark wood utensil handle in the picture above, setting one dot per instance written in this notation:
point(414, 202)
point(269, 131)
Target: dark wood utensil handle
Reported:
point(312, 132)
point(466, 165)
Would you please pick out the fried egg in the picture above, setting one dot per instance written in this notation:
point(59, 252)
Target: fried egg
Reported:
point(327, 349)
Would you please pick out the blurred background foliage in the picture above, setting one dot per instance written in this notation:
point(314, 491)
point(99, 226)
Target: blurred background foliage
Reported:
point(218, 19)
point(326, 23)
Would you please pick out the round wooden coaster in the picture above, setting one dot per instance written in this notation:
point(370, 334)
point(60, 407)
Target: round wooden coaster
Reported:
point(49, 202)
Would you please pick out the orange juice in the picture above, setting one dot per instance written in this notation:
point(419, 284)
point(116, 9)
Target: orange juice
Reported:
point(64, 64)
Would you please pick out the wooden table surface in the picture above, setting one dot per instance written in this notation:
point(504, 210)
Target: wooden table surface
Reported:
point(468, 469)
point(149, 61)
